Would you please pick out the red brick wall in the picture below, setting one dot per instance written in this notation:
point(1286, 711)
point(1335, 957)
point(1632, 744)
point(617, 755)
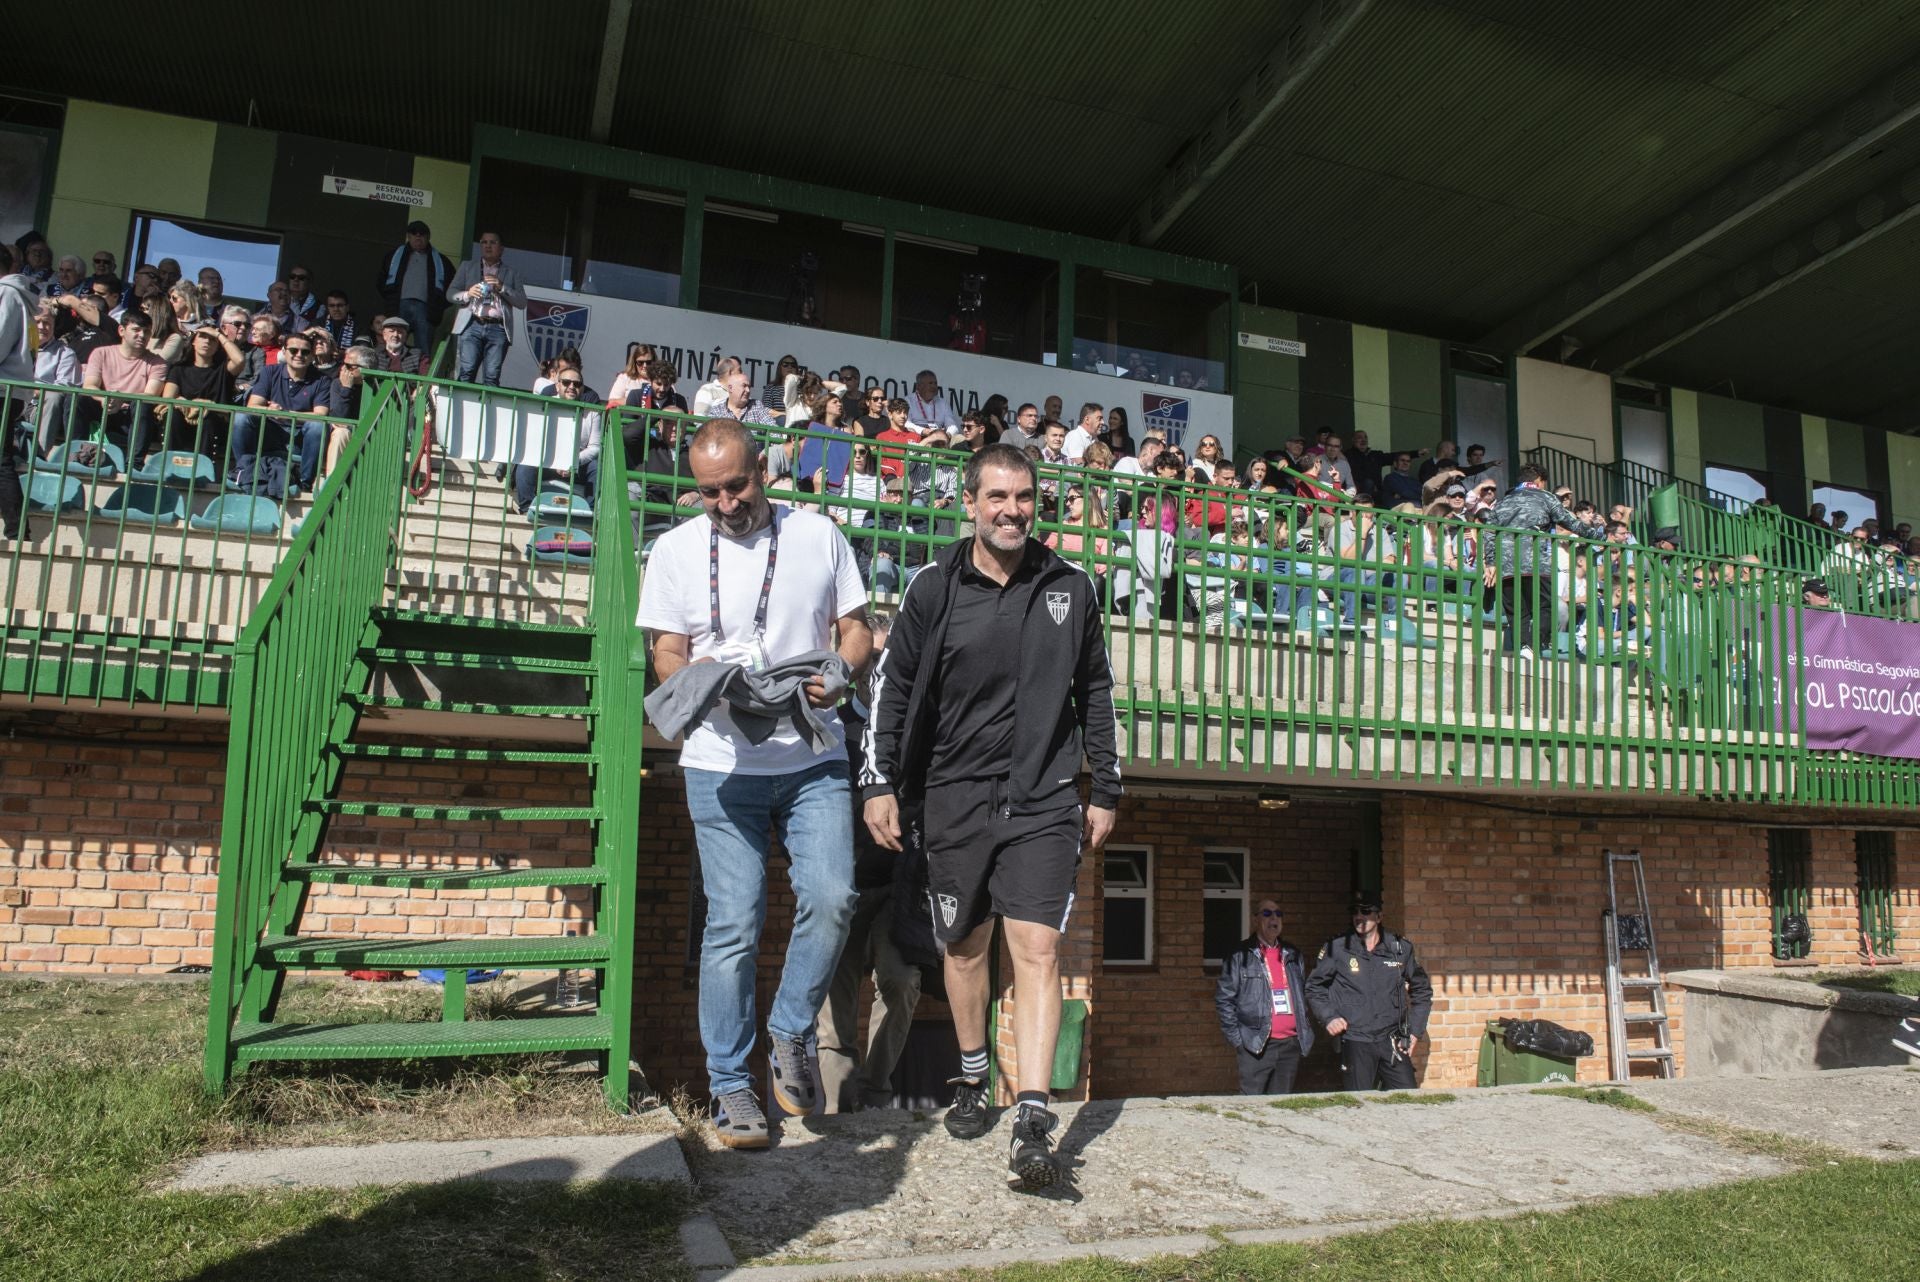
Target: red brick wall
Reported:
point(1158, 1033)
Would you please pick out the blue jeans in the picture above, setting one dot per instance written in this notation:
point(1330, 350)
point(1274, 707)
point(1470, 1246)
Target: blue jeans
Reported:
point(414, 312)
point(483, 348)
point(812, 810)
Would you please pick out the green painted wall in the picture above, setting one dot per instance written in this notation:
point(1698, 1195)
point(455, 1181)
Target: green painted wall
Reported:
point(1266, 405)
point(1846, 462)
point(1732, 433)
point(113, 161)
point(447, 180)
point(1373, 385)
point(1417, 383)
point(241, 183)
point(1903, 477)
point(1685, 417)
point(1814, 447)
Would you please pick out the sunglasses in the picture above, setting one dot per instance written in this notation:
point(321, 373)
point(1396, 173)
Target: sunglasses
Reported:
point(291, 350)
point(297, 276)
point(103, 261)
point(1271, 912)
point(571, 382)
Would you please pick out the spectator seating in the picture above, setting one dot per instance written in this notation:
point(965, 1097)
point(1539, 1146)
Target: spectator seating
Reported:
point(559, 544)
point(47, 492)
point(109, 461)
point(145, 503)
point(178, 467)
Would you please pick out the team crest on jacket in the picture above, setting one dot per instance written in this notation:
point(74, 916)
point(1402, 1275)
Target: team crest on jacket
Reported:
point(1057, 605)
point(1353, 964)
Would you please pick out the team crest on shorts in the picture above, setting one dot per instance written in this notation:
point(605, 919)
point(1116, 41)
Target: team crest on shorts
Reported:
point(949, 908)
point(1058, 604)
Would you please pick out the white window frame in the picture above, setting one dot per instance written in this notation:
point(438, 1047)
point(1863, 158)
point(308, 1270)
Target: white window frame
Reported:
point(1145, 892)
point(1241, 892)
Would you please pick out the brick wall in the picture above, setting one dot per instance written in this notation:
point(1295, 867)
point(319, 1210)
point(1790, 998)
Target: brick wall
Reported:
point(1158, 1033)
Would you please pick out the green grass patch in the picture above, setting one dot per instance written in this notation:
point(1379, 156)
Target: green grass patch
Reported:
point(1415, 1097)
point(1307, 1103)
point(1610, 1095)
point(1835, 1222)
point(100, 1094)
point(1904, 981)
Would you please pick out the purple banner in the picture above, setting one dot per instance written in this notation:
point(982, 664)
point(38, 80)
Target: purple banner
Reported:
point(1859, 681)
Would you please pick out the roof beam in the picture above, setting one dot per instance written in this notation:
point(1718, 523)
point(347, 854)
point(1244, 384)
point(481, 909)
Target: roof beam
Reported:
point(613, 53)
point(1852, 129)
point(1782, 264)
point(1318, 31)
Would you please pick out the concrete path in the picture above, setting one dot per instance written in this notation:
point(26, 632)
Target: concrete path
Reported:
point(570, 1157)
point(1872, 1112)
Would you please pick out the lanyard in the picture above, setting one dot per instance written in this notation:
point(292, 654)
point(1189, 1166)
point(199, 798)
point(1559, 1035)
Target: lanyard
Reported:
point(766, 584)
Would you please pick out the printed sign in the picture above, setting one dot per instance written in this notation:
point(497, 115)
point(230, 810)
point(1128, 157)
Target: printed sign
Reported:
point(386, 193)
point(696, 341)
point(553, 327)
point(1859, 681)
point(469, 425)
point(1268, 343)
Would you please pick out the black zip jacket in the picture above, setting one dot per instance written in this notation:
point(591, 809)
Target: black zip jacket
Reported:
point(1244, 996)
point(1372, 991)
point(1065, 701)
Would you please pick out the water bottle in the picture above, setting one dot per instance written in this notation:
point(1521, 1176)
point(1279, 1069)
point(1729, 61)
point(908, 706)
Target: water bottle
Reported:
point(567, 991)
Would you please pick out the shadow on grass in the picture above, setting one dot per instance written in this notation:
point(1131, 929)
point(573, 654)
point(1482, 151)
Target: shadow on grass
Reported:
point(518, 1220)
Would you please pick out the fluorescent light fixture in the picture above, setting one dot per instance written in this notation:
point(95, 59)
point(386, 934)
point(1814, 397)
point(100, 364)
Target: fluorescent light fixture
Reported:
point(741, 211)
point(1132, 280)
point(911, 238)
point(657, 197)
point(1271, 800)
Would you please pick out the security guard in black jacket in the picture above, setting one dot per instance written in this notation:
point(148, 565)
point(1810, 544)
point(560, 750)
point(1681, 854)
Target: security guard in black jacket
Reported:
point(1371, 991)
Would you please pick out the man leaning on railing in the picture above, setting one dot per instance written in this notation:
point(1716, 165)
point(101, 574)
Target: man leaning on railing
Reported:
point(1521, 563)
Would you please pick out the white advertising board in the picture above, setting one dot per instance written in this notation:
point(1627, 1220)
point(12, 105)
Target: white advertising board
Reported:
point(694, 341)
point(508, 430)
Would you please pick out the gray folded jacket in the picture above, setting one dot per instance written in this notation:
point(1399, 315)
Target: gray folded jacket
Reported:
point(759, 701)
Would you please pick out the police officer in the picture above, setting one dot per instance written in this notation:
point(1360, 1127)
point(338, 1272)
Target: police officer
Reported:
point(1370, 991)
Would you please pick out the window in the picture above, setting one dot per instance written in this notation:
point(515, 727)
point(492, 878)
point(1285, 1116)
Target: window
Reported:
point(1873, 861)
point(974, 298)
point(1127, 883)
point(1858, 505)
point(1223, 905)
point(1735, 488)
point(798, 269)
point(247, 259)
point(1153, 331)
point(596, 235)
point(26, 180)
point(1789, 857)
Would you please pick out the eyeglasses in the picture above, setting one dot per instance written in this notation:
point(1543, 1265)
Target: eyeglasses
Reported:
point(297, 276)
point(291, 350)
point(352, 365)
point(571, 382)
point(103, 259)
point(1271, 912)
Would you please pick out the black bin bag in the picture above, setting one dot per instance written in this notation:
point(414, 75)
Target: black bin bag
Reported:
point(1544, 1037)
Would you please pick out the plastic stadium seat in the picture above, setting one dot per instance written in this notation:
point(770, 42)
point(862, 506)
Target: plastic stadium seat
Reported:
point(563, 507)
point(111, 462)
point(178, 467)
point(144, 503)
point(556, 543)
point(240, 514)
point(49, 493)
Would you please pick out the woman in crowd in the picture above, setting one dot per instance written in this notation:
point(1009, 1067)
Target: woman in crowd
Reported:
point(166, 339)
point(1206, 455)
point(774, 394)
point(631, 376)
point(206, 379)
point(995, 417)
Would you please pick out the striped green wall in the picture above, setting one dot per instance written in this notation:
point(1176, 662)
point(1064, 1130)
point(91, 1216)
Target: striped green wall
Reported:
point(1352, 378)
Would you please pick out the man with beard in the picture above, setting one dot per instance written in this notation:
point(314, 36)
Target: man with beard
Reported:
point(994, 780)
point(756, 588)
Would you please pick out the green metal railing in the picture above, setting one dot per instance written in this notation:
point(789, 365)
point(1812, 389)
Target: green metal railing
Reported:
point(134, 585)
point(300, 650)
point(1878, 888)
point(1789, 883)
point(1353, 645)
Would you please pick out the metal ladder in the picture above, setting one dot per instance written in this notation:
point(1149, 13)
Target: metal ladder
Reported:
point(1633, 931)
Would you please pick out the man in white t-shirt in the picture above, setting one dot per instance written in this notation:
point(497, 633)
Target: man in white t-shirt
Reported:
point(1092, 419)
point(927, 408)
point(750, 586)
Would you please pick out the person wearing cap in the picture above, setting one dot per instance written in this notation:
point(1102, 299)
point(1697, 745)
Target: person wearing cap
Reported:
point(1261, 1001)
point(1815, 596)
point(1666, 539)
point(396, 353)
point(1369, 990)
point(413, 282)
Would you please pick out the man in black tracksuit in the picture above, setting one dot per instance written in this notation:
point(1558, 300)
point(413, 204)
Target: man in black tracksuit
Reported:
point(1370, 990)
point(993, 752)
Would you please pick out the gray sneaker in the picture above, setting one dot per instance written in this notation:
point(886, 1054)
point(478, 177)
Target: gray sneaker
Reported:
point(738, 1121)
point(791, 1076)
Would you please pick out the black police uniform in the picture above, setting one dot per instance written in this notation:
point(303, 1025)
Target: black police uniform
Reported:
point(1373, 992)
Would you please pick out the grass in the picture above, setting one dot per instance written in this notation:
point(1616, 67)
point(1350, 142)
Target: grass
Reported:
point(1306, 1103)
point(1836, 1222)
point(100, 1095)
point(1904, 982)
point(1415, 1097)
point(1610, 1095)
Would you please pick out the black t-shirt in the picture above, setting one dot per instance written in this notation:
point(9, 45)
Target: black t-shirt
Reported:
point(871, 424)
point(212, 383)
point(978, 686)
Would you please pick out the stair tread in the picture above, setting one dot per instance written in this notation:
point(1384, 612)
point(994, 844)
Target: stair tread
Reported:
point(260, 1041)
point(427, 752)
point(441, 878)
point(453, 813)
point(476, 660)
point(401, 951)
point(388, 614)
point(493, 709)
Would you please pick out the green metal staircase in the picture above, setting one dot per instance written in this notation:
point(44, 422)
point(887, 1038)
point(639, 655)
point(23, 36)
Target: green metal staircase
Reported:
point(306, 709)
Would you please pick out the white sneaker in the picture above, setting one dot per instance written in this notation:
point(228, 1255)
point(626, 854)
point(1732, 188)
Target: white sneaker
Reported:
point(1526, 654)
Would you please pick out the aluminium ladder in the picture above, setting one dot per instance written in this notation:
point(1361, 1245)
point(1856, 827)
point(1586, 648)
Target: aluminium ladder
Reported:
point(1633, 932)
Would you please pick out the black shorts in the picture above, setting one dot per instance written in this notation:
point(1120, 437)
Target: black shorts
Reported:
point(984, 859)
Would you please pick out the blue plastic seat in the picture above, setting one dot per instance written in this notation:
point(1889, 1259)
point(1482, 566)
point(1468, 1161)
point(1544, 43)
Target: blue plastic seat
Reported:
point(562, 507)
point(144, 503)
point(239, 514)
point(47, 492)
point(556, 543)
point(178, 467)
point(110, 461)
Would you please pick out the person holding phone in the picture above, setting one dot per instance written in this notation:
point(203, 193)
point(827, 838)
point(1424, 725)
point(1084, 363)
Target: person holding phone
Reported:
point(489, 293)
